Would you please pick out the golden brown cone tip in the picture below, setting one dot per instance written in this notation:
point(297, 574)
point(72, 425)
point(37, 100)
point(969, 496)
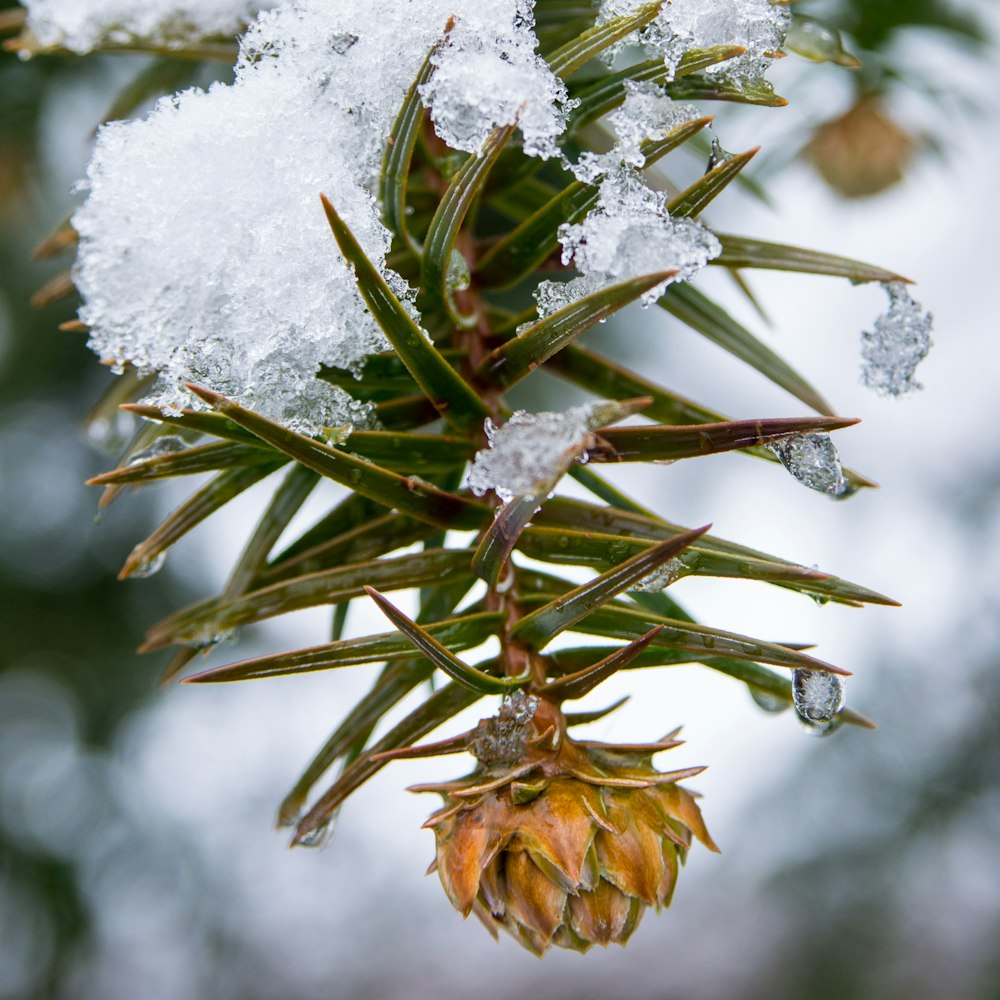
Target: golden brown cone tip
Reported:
point(556, 860)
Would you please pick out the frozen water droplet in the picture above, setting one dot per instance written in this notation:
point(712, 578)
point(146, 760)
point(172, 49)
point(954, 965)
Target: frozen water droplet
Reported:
point(900, 340)
point(150, 567)
point(321, 836)
point(660, 578)
point(226, 635)
point(518, 708)
point(718, 155)
point(817, 41)
point(767, 701)
point(813, 460)
point(166, 445)
point(824, 727)
point(818, 694)
point(458, 276)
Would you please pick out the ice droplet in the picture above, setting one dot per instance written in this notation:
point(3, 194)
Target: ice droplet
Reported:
point(660, 578)
point(321, 836)
point(149, 567)
point(167, 445)
point(717, 155)
point(818, 694)
point(899, 342)
point(826, 727)
point(817, 41)
point(768, 702)
point(813, 460)
point(458, 276)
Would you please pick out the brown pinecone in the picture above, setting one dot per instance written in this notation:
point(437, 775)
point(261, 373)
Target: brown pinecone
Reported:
point(863, 152)
point(568, 845)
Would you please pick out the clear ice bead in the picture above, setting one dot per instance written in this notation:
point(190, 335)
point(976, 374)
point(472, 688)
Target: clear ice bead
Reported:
point(660, 578)
point(818, 694)
point(321, 836)
point(167, 445)
point(150, 567)
point(825, 727)
point(813, 460)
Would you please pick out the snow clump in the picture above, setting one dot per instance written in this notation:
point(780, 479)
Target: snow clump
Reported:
point(204, 251)
point(682, 25)
point(900, 341)
point(488, 74)
point(528, 453)
point(82, 25)
point(647, 112)
point(629, 233)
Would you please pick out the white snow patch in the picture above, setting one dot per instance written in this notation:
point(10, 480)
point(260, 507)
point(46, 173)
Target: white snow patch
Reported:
point(205, 254)
point(528, 452)
point(683, 25)
point(82, 25)
point(629, 233)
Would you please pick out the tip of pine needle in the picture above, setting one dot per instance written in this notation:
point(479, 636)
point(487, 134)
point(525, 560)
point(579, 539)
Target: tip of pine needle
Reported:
point(208, 395)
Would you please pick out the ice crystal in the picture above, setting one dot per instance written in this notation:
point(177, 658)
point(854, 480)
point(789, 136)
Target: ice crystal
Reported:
point(500, 741)
point(818, 694)
point(528, 452)
point(900, 341)
point(205, 254)
point(661, 577)
point(826, 727)
point(813, 460)
point(488, 74)
point(166, 445)
point(683, 25)
point(149, 567)
point(82, 25)
point(628, 233)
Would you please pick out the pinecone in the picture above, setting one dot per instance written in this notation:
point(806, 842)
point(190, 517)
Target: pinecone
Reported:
point(568, 844)
point(863, 152)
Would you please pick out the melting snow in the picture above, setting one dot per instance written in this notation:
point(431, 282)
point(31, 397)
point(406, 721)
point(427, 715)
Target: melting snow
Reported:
point(899, 342)
point(528, 452)
point(82, 25)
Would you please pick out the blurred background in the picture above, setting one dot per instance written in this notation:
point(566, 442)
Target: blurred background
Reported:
point(137, 850)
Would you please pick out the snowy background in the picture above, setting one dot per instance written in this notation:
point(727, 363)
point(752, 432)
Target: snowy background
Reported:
point(139, 855)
